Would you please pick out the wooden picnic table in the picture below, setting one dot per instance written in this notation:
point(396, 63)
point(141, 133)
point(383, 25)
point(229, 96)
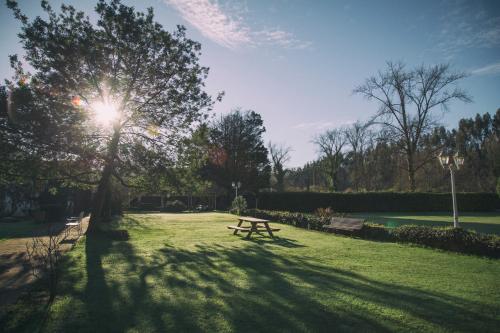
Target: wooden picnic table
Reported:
point(256, 225)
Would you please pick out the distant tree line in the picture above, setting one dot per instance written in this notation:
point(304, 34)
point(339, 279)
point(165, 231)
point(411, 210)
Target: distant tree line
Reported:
point(371, 161)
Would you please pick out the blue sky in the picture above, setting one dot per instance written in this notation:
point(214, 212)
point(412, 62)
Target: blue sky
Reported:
point(296, 62)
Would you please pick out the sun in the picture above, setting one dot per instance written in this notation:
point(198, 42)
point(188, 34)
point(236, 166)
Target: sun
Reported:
point(105, 113)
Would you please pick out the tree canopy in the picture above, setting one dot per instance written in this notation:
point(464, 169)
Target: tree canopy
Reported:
point(145, 85)
point(237, 152)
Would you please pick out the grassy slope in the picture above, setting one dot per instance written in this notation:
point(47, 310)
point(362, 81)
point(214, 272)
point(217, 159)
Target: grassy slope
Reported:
point(487, 222)
point(184, 273)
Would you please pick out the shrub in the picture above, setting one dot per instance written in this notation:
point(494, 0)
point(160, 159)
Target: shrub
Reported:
point(301, 220)
point(447, 238)
point(239, 205)
point(324, 212)
point(308, 202)
point(175, 206)
point(375, 232)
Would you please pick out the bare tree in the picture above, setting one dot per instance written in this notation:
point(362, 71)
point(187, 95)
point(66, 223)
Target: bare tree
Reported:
point(280, 155)
point(330, 145)
point(358, 136)
point(408, 100)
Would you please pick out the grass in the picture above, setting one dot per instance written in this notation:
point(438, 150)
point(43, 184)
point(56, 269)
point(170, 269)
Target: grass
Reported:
point(485, 222)
point(188, 273)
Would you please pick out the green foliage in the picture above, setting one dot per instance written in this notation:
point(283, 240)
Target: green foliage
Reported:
point(237, 152)
point(300, 220)
point(239, 205)
point(448, 238)
point(122, 58)
point(377, 201)
point(324, 212)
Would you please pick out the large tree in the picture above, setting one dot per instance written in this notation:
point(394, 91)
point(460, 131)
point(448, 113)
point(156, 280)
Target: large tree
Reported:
point(408, 101)
point(358, 137)
point(142, 84)
point(237, 152)
point(330, 147)
point(280, 155)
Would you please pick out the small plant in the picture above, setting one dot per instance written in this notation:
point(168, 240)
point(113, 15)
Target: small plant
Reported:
point(44, 255)
point(239, 205)
point(325, 212)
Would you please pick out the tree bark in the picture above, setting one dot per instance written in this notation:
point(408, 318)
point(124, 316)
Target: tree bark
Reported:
point(104, 182)
point(411, 172)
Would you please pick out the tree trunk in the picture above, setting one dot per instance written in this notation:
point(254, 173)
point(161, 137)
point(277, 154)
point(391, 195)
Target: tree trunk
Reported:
point(411, 172)
point(280, 186)
point(104, 182)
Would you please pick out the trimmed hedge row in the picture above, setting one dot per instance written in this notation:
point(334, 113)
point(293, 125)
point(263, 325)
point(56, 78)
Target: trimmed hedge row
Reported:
point(308, 202)
point(445, 238)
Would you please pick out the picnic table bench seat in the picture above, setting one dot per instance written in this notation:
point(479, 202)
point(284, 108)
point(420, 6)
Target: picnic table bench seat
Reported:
point(345, 224)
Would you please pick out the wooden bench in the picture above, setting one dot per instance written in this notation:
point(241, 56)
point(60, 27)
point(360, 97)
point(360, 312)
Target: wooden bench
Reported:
point(346, 224)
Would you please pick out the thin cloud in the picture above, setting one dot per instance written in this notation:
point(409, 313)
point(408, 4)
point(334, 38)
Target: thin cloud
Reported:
point(465, 27)
point(491, 69)
point(228, 28)
point(322, 125)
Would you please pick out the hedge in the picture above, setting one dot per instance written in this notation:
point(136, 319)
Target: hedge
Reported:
point(445, 238)
point(308, 202)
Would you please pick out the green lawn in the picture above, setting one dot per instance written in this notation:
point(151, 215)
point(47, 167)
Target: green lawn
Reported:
point(17, 229)
point(486, 222)
point(188, 273)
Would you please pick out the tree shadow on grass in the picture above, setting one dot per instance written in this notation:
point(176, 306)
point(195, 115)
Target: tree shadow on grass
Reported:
point(264, 239)
point(211, 287)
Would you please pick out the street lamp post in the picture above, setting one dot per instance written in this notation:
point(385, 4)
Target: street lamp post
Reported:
point(236, 186)
point(453, 163)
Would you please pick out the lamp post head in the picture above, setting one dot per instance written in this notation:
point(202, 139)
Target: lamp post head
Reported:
point(448, 160)
point(459, 160)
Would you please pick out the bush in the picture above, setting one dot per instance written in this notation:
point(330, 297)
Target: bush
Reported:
point(375, 232)
point(239, 205)
point(175, 206)
point(301, 220)
point(324, 212)
point(447, 238)
point(308, 202)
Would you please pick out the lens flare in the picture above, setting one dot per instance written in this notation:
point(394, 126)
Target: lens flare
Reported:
point(105, 113)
